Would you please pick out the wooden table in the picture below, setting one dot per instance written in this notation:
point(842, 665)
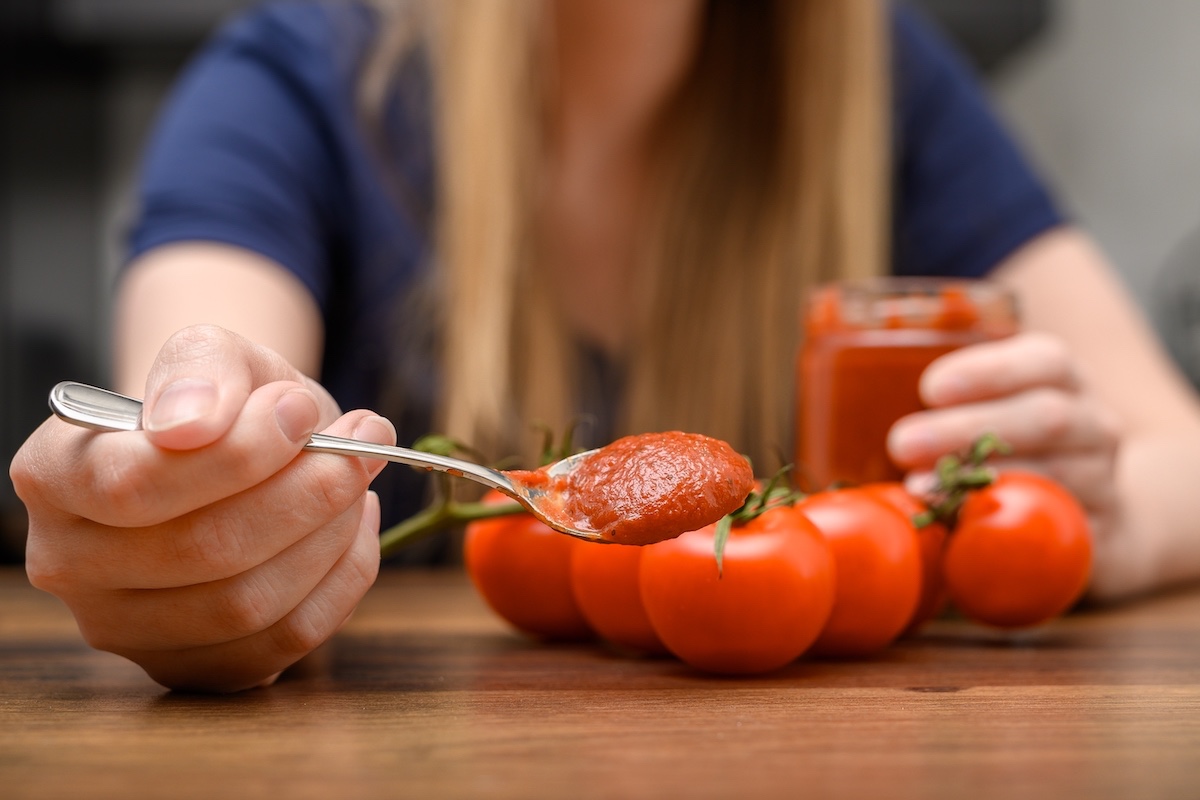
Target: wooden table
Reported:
point(426, 694)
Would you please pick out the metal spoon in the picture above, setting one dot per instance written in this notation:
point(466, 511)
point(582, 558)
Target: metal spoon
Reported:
point(102, 410)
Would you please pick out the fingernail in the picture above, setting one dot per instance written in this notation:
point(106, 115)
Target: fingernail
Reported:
point(376, 430)
point(297, 414)
point(182, 402)
point(910, 442)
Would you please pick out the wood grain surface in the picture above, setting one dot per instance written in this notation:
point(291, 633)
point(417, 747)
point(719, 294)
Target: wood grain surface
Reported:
point(426, 694)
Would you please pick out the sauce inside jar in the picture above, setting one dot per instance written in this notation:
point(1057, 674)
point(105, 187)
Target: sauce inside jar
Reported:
point(866, 345)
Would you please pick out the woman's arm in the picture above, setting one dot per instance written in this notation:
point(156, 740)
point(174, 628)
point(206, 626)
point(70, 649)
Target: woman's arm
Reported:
point(1088, 396)
point(194, 283)
point(1068, 289)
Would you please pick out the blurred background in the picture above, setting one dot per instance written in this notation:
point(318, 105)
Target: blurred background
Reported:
point(1101, 92)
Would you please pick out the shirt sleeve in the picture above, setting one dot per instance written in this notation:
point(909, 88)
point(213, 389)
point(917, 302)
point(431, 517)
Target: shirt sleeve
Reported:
point(241, 153)
point(965, 196)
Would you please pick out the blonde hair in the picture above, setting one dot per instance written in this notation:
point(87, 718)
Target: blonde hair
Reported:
point(771, 176)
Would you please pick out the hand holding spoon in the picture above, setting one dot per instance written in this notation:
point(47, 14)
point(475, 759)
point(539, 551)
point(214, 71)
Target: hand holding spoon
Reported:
point(704, 478)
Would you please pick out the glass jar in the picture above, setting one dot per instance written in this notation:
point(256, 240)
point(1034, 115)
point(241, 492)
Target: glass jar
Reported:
point(866, 344)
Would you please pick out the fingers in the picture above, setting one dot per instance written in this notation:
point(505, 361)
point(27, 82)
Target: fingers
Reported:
point(216, 541)
point(232, 608)
point(123, 479)
point(248, 661)
point(1087, 474)
point(1035, 422)
point(260, 413)
point(998, 369)
point(1027, 391)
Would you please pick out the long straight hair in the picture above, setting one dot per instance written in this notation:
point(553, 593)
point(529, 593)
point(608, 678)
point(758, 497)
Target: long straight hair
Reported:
point(770, 175)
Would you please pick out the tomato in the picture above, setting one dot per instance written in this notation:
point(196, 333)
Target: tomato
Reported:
point(522, 568)
point(762, 611)
point(931, 541)
point(878, 570)
point(605, 580)
point(1020, 552)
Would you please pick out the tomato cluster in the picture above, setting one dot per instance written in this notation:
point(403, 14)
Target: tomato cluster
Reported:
point(840, 573)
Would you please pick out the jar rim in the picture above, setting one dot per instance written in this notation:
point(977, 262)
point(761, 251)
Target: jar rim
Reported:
point(911, 302)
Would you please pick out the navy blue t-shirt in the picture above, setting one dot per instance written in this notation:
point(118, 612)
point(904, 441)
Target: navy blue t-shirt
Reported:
point(261, 145)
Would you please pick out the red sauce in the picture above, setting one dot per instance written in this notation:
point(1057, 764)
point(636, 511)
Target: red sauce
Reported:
point(865, 348)
point(650, 487)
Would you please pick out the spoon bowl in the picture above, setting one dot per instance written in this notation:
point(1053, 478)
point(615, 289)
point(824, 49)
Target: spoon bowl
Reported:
point(103, 410)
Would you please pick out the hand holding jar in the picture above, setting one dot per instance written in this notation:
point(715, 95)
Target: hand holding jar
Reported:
point(1029, 391)
point(897, 372)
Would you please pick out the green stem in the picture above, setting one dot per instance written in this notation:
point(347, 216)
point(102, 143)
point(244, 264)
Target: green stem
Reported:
point(776, 493)
point(437, 518)
point(959, 475)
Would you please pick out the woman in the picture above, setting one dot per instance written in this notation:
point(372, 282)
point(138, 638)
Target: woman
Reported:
point(629, 201)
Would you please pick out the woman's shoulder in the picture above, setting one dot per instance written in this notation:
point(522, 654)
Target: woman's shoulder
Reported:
point(966, 195)
point(305, 36)
point(923, 59)
point(260, 144)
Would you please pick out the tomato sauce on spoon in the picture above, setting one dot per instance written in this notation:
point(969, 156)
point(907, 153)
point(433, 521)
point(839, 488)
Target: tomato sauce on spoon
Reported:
point(648, 487)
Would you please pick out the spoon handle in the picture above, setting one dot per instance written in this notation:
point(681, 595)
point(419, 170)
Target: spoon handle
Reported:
point(324, 443)
point(102, 410)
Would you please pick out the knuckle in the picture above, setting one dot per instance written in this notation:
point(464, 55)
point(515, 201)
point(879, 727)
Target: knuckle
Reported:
point(334, 486)
point(1060, 470)
point(242, 610)
point(107, 632)
point(200, 342)
point(1052, 415)
point(212, 547)
point(303, 630)
point(1111, 428)
point(31, 470)
point(315, 619)
point(127, 490)
point(1058, 359)
point(98, 635)
point(23, 474)
point(45, 566)
point(363, 563)
point(248, 461)
point(338, 536)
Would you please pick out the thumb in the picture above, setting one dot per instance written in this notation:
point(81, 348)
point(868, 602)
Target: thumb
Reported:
point(200, 381)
